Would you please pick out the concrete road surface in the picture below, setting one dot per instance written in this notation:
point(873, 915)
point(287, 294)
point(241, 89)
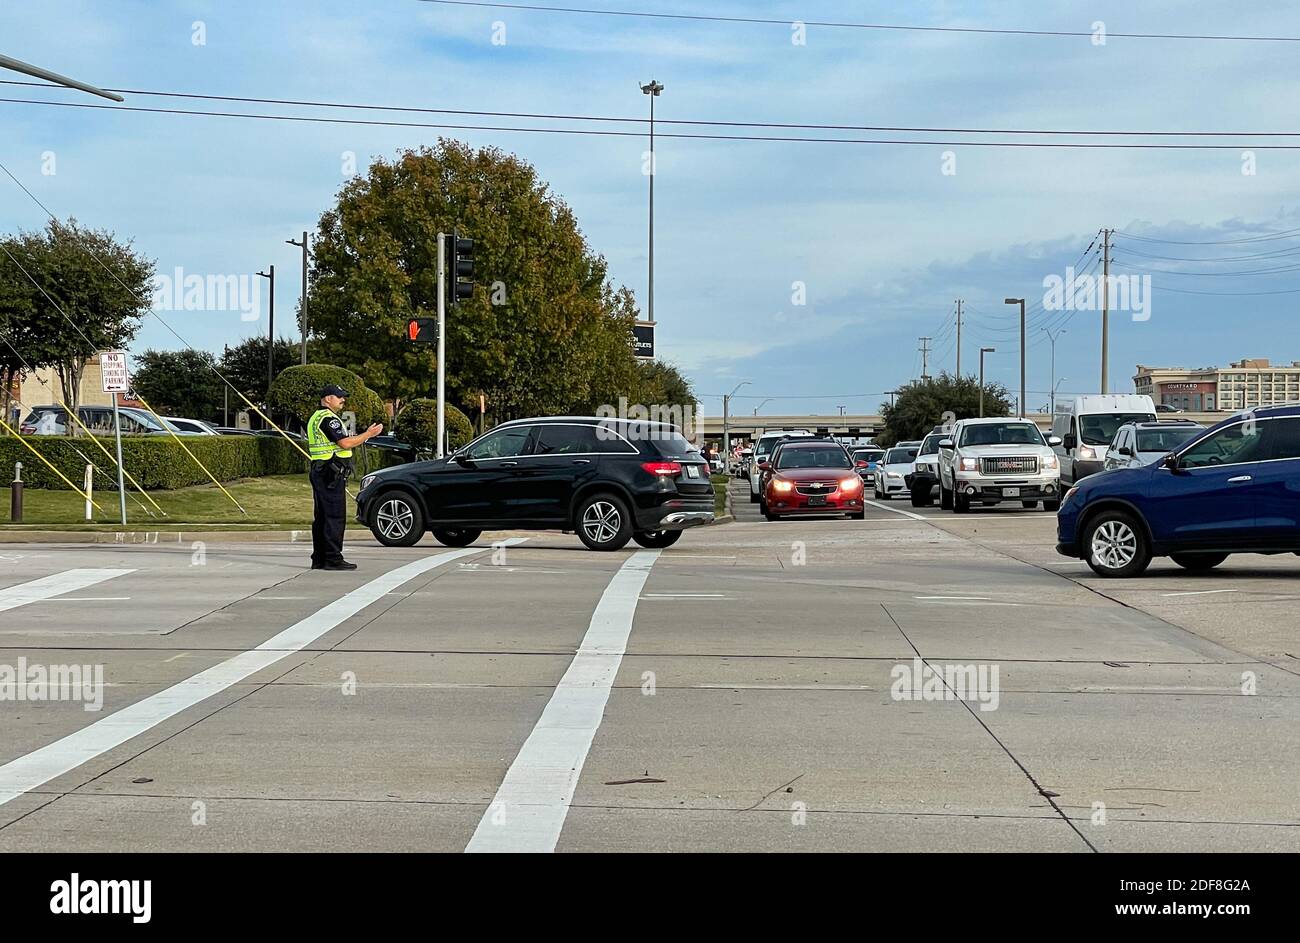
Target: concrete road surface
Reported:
point(912, 682)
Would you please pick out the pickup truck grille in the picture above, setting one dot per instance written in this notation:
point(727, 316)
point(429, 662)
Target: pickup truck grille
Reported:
point(1009, 465)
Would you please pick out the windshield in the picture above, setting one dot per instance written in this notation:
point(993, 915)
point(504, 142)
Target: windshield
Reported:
point(900, 456)
point(1001, 433)
point(931, 444)
point(868, 455)
point(812, 457)
point(1100, 428)
point(1164, 440)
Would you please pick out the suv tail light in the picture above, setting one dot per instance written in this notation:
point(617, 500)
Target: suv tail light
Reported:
point(666, 469)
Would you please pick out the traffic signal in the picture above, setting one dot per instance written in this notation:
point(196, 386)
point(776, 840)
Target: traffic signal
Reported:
point(422, 330)
point(460, 268)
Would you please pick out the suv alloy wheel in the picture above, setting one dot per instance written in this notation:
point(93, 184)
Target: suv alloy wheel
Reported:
point(603, 522)
point(1116, 545)
point(397, 520)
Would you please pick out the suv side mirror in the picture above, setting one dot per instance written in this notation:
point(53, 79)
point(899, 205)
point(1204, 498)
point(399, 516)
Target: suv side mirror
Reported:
point(461, 458)
point(764, 465)
point(1054, 440)
point(1069, 441)
point(1126, 451)
point(945, 443)
point(1170, 462)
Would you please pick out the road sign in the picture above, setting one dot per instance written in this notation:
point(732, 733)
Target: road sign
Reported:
point(422, 330)
point(643, 339)
point(112, 366)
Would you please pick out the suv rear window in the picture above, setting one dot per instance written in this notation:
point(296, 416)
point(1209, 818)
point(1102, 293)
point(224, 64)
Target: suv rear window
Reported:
point(672, 445)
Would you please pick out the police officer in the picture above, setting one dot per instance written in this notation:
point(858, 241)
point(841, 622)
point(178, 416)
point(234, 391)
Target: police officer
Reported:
point(331, 464)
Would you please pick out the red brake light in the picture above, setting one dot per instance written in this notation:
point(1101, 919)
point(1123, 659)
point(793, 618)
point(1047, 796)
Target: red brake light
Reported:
point(667, 469)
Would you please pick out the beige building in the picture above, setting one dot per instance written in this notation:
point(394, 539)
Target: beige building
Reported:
point(43, 388)
point(1241, 385)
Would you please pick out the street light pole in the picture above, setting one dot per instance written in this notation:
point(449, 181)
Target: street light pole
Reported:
point(270, 334)
point(1052, 337)
point(302, 304)
point(726, 424)
point(762, 404)
point(983, 351)
point(1021, 302)
point(653, 89)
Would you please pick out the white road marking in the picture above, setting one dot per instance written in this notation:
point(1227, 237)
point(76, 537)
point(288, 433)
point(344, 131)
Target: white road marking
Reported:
point(529, 809)
point(86, 599)
point(984, 598)
point(1203, 592)
point(886, 507)
point(684, 596)
point(69, 581)
point(49, 762)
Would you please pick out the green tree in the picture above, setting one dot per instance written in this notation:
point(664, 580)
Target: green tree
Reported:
point(296, 391)
point(923, 404)
point(244, 365)
point(417, 425)
point(543, 332)
point(180, 383)
point(86, 292)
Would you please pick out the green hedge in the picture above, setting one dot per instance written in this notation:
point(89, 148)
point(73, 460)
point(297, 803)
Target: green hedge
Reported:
point(297, 390)
point(154, 461)
point(417, 424)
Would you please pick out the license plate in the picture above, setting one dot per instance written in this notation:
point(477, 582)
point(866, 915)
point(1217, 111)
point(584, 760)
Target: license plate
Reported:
point(1010, 492)
point(692, 471)
point(816, 500)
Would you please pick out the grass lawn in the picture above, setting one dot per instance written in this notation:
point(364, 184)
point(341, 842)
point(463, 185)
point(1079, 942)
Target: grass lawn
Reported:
point(277, 500)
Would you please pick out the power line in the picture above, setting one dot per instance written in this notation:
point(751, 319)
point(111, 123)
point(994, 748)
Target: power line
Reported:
point(983, 30)
point(1268, 237)
point(317, 119)
point(546, 116)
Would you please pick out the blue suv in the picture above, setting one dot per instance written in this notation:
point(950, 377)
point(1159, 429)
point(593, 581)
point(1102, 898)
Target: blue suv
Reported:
point(1235, 488)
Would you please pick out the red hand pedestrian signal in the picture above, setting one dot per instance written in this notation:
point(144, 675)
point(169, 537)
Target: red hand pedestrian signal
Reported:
point(422, 330)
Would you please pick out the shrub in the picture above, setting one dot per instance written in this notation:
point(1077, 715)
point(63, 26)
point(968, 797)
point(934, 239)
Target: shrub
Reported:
point(297, 391)
point(154, 461)
point(417, 424)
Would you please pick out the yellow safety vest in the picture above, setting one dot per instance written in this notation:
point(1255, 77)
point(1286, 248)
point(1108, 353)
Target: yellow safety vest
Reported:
point(319, 447)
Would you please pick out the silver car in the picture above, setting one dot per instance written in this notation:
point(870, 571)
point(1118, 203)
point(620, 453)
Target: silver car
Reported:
point(1141, 443)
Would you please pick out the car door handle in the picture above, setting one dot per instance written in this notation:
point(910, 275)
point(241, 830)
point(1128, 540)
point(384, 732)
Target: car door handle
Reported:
point(509, 464)
point(1239, 478)
point(582, 461)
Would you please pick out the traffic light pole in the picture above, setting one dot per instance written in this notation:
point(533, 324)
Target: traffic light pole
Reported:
point(442, 338)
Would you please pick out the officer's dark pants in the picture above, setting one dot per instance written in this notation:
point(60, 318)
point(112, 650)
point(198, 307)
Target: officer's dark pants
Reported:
point(329, 505)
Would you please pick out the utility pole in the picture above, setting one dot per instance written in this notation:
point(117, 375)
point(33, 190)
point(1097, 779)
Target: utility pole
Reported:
point(726, 424)
point(1020, 404)
point(958, 338)
point(442, 335)
point(653, 89)
point(925, 358)
point(891, 394)
point(1052, 337)
point(1105, 310)
point(270, 334)
point(302, 304)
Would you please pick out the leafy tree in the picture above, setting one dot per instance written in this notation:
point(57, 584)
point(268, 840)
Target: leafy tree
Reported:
point(296, 391)
point(180, 383)
point(78, 275)
point(923, 404)
point(543, 332)
point(417, 425)
point(244, 365)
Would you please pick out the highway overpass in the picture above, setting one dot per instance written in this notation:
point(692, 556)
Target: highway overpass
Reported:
point(747, 427)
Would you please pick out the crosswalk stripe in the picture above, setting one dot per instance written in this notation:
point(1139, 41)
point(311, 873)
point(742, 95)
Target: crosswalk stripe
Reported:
point(47, 587)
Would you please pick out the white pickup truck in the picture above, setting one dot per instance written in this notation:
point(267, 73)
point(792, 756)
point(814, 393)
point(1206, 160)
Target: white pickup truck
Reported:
point(999, 459)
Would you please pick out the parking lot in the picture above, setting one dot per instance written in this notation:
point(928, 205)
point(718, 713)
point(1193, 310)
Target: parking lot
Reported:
point(738, 691)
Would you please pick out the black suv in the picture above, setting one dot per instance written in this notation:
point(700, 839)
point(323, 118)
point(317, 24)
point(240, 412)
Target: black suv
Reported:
point(611, 480)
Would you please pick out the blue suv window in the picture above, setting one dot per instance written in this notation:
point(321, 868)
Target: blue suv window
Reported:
point(1234, 445)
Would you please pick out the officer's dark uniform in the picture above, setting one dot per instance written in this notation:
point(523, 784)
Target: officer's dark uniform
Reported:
point(330, 468)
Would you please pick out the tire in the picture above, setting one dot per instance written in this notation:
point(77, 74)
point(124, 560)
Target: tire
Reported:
point(859, 516)
point(882, 496)
point(455, 536)
point(1052, 506)
point(921, 500)
point(603, 522)
point(657, 539)
point(1115, 545)
point(1029, 505)
point(753, 498)
point(397, 520)
point(771, 517)
point(1198, 562)
point(945, 498)
point(960, 504)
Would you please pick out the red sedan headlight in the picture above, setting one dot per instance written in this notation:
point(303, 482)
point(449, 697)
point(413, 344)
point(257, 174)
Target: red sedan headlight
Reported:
point(781, 485)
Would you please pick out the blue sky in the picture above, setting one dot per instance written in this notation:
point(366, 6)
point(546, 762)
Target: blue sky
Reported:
point(881, 238)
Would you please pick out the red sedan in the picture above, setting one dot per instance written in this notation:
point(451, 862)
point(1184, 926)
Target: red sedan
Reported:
point(811, 477)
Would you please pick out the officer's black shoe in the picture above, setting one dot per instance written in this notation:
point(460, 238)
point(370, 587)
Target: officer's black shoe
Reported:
point(339, 565)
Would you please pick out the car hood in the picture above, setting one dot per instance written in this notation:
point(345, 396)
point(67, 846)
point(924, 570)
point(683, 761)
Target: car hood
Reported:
point(813, 474)
point(1024, 449)
point(898, 468)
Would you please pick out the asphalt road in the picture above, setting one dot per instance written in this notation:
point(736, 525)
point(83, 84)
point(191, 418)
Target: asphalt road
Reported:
point(742, 690)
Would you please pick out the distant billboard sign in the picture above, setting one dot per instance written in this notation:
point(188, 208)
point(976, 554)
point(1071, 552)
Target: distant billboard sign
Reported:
point(643, 339)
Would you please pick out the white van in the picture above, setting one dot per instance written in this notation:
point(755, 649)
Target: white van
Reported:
point(1086, 426)
point(762, 450)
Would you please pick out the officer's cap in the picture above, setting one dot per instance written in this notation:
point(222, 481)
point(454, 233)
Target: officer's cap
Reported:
point(329, 389)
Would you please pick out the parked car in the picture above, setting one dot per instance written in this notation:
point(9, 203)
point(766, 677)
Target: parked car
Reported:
point(811, 476)
point(610, 480)
point(762, 451)
point(1141, 443)
point(890, 477)
point(231, 430)
point(1234, 488)
point(1086, 426)
point(865, 462)
point(994, 460)
point(189, 426)
point(740, 467)
point(923, 481)
point(98, 419)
